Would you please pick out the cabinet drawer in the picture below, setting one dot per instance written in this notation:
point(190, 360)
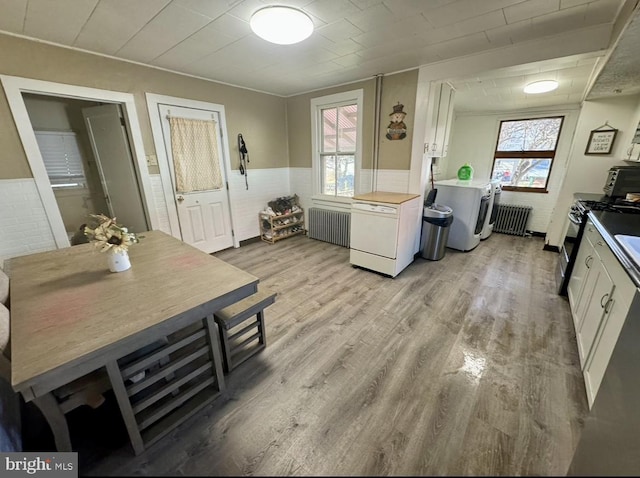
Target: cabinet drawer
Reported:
point(592, 234)
point(624, 286)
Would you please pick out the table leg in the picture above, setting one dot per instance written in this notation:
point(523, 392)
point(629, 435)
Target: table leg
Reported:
point(120, 391)
point(214, 342)
point(49, 407)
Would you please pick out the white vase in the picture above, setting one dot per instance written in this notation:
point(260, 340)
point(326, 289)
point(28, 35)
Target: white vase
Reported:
point(118, 261)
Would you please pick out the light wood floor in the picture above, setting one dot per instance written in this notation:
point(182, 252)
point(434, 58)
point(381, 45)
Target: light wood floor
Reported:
point(464, 366)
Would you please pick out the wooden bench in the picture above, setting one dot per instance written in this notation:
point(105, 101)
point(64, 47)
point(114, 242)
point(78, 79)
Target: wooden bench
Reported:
point(236, 347)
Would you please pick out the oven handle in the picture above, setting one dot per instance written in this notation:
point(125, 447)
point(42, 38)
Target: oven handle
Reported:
point(574, 219)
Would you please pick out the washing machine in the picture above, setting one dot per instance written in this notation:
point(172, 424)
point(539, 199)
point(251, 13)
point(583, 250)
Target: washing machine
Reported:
point(470, 203)
point(492, 213)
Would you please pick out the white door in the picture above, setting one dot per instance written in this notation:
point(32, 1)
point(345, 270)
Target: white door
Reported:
point(204, 216)
point(110, 145)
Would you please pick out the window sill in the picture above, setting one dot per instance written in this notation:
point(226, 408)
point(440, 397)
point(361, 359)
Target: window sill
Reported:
point(332, 202)
point(525, 190)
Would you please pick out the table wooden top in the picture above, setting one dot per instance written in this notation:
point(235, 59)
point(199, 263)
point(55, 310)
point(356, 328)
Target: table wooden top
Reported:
point(66, 306)
point(385, 197)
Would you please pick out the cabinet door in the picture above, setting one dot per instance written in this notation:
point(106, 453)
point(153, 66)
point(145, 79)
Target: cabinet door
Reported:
point(615, 314)
point(584, 260)
point(599, 287)
point(439, 117)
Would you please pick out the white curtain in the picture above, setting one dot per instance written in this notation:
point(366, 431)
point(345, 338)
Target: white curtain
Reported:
point(196, 163)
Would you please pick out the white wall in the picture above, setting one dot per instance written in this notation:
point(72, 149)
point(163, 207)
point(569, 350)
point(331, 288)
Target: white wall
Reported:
point(587, 173)
point(24, 227)
point(473, 140)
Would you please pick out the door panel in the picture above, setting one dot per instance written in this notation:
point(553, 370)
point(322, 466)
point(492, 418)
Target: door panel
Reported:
point(204, 216)
point(115, 164)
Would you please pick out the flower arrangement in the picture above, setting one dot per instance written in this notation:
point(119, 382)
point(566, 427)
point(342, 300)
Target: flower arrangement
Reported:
point(109, 235)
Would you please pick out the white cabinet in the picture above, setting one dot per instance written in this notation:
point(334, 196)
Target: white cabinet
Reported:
point(584, 261)
point(600, 293)
point(439, 119)
point(633, 152)
point(596, 298)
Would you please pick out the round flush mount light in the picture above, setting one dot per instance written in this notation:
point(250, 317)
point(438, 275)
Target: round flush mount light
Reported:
point(541, 86)
point(281, 25)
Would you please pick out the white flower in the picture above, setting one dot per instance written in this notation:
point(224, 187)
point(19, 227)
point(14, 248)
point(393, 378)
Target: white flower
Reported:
point(110, 236)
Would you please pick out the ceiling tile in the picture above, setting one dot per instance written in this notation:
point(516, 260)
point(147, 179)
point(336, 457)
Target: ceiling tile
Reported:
point(477, 24)
point(464, 9)
point(58, 21)
point(530, 9)
point(372, 18)
point(207, 7)
point(13, 13)
point(339, 30)
point(602, 11)
point(172, 25)
point(410, 27)
point(107, 30)
point(330, 12)
point(200, 44)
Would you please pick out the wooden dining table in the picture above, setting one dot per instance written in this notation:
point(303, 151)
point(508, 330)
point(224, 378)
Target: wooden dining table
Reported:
point(70, 316)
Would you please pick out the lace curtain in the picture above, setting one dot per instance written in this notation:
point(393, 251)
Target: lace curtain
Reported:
point(196, 163)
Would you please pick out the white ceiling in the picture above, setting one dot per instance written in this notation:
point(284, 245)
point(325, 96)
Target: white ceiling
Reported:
point(502, 89)
point(353, 40)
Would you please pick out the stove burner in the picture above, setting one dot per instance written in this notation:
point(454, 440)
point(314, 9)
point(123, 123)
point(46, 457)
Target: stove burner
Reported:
point(620, 206)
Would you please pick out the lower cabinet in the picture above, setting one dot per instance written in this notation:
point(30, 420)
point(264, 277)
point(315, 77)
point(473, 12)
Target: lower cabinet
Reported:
point(600, 300)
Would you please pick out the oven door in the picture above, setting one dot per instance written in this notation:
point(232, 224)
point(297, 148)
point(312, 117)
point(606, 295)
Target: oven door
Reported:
point(568, 250)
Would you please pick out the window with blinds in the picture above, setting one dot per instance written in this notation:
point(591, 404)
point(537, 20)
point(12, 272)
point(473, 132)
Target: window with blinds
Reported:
point(60, 152)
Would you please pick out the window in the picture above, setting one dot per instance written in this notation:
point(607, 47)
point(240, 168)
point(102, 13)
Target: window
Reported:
point(337, 125)
point(525, 152)
point(60, 152)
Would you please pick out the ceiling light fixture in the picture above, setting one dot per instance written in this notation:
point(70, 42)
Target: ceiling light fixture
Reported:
point(281, 25)
point(541, 86)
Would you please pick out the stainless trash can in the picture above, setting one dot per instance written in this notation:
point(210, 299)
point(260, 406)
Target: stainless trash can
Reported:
point(436, 222)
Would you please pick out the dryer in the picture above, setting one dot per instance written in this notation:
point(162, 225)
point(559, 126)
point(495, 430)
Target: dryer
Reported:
point(470, 203)
point(492, 213)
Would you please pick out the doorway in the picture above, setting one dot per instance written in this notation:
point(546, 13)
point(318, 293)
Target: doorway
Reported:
point(86, 152)
point(15, 87)
point(203, 217)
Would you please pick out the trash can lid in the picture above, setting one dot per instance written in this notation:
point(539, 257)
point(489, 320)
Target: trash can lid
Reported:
point(437, 210)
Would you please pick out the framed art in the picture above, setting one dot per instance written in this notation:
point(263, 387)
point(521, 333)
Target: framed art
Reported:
point(601, 140)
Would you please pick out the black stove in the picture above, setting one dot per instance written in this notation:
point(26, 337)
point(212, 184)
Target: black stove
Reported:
point(617, 205)
point(577, 219)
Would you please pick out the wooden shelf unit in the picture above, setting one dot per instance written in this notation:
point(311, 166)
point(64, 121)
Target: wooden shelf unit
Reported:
point(279, 228)
point(179, 380)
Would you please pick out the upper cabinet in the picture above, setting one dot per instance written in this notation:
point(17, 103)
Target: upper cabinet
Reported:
point(439, 119)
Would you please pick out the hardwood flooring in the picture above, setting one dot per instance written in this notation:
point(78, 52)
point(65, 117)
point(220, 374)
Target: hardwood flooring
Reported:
point(465, 366)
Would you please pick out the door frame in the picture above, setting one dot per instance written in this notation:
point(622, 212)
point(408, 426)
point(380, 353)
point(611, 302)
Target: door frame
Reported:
point(153, 102)
point(14, 87)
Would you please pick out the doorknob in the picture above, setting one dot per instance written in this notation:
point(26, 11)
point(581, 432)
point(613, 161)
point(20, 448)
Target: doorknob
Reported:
point(180, 198)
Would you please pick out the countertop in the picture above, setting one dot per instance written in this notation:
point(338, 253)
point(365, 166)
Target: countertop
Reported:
point(611, 223)
point(385, 197)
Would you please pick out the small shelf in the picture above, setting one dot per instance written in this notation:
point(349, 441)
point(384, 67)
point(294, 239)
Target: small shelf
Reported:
point(283, 226)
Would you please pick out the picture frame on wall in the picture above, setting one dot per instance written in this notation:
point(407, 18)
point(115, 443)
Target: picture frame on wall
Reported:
point(601, 140)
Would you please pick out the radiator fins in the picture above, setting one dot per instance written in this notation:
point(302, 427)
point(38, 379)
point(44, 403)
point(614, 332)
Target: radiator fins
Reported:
point(329, 226)
point(512, 219)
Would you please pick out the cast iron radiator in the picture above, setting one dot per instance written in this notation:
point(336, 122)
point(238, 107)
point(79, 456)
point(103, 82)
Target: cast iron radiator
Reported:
point(330, 226)
point(512, 219)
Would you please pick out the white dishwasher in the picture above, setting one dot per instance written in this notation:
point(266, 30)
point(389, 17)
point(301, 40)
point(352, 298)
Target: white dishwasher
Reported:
point(383, 231)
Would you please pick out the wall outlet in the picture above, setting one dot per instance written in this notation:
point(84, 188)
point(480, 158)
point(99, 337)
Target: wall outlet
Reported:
point(152, 160)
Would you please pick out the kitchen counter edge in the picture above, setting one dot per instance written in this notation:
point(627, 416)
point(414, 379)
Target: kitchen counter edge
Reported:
point(609, 227)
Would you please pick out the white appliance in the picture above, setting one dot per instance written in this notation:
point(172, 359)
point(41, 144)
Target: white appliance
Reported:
point(384, 227)
point(492, 213)
point(470, 203)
